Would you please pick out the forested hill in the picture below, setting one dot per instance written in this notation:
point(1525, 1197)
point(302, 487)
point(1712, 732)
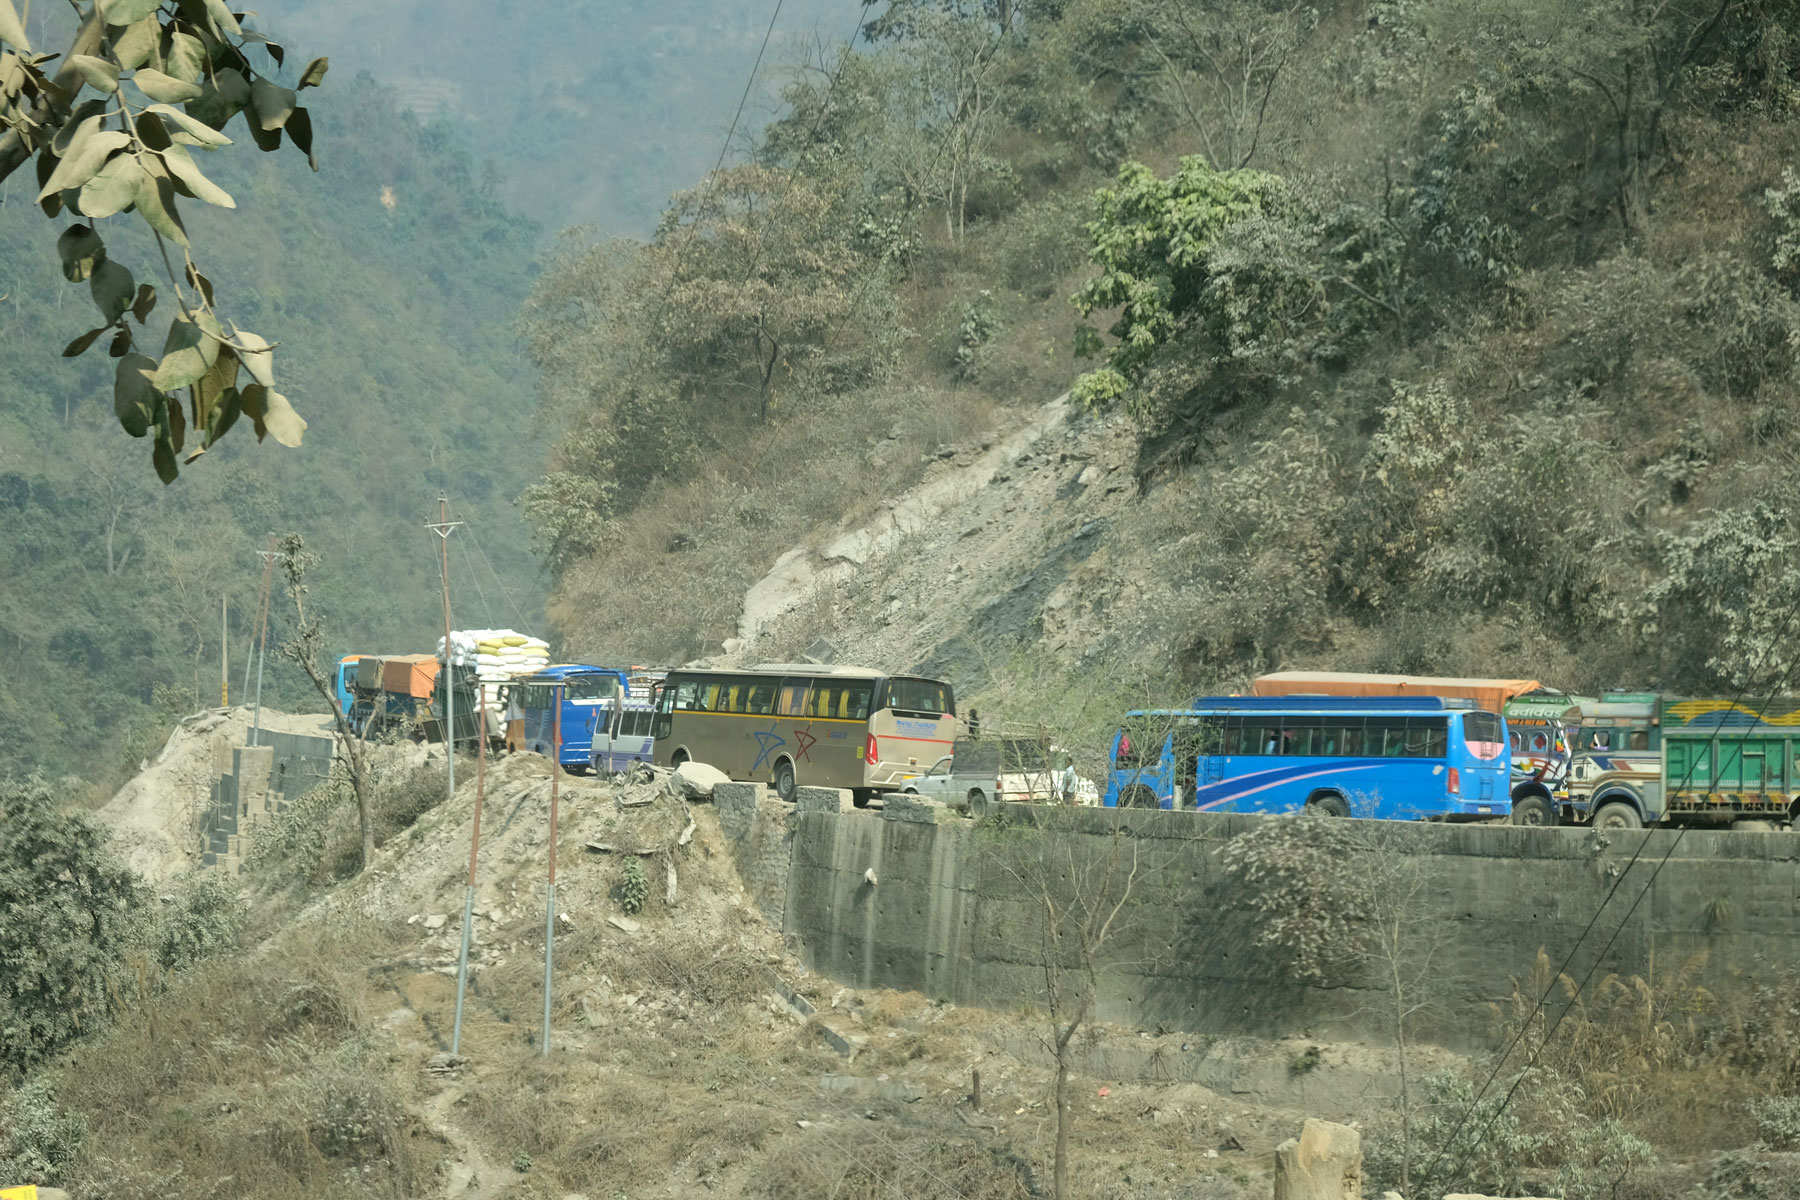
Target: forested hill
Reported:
point(1453, 336)
point(392, 279)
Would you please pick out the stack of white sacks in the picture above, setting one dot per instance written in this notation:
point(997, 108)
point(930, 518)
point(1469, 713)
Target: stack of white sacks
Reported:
point(497, 656)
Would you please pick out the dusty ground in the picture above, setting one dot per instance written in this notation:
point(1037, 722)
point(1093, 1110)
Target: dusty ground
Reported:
point(153, 815)
point(678, 1065)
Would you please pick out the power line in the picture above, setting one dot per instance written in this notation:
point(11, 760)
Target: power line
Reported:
point(1680, 832)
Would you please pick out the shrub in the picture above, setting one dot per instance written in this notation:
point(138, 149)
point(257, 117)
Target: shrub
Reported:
point(69, 914)
point(39, 1138)
point(633, 888)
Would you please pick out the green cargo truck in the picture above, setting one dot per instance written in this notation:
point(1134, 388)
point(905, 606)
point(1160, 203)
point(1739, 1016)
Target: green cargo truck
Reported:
point(1647, 759)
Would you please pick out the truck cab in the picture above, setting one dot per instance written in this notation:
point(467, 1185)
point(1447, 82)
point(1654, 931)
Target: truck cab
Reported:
point(1615, 777)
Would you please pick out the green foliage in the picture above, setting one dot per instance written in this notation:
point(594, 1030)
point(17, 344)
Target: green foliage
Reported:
point(976, 329)
point(39, 1138)
point(68, 918)
point(1777, 1120)
point(1228, 285)
point(633, 888)
point(200, 918)
point(128, 149)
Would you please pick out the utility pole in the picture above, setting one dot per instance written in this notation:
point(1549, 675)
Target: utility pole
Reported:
point(462, 962)
point(444, 527)
point(262, 651)
point(550, 881)
point(224, 653)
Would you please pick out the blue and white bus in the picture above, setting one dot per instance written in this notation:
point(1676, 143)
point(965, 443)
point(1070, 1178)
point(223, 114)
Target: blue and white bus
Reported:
point(1398, 758)
point(623, 738)
point(589, 696)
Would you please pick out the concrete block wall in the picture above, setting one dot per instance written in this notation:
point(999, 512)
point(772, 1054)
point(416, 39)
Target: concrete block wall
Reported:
point(759, 829)
point(956, 912)
point(261, 781)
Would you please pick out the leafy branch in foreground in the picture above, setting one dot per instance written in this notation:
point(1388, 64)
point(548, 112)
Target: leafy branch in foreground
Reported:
point(167, 77)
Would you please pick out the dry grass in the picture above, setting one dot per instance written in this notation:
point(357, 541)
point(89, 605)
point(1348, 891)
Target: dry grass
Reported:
point(251, 1077)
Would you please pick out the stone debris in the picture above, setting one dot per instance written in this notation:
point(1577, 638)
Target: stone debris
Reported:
point(446, 1063)
point(624, 924)
point(696, 781)
point(858, 1087)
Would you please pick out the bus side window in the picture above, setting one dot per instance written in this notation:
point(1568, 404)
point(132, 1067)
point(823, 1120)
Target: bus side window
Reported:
point(762, 699)
point(793, 698)
point(856, 702)
point(1639, 739)
point(685, 693)
point(1437, 737)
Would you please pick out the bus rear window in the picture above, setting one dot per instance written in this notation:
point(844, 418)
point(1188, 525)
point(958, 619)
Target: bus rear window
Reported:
point(920, 697)
point(1484, 734)
point(1140, 744)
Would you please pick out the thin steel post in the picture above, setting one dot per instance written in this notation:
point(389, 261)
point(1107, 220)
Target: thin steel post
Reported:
point(462, 965)
point(550, 887)
point(224, 653)
point(262, 650)
point(444, 527)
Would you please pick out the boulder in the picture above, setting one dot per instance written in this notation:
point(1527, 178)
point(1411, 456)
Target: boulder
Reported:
point(1323, 1163)
point(696, 781)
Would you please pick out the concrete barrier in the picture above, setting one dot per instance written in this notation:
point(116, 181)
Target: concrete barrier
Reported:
point(955, 916)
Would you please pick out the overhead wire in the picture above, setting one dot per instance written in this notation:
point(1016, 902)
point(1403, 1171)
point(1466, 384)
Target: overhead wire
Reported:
point(1562, 971)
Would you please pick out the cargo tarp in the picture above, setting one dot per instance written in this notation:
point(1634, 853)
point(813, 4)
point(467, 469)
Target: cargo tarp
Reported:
point(1490, 694)
point(410, 675)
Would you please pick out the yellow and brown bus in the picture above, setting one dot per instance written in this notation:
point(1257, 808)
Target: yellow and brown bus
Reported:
point(792, 724)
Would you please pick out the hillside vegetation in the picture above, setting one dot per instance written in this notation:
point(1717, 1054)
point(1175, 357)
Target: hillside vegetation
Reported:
point(1450, 336)
point(395, 324)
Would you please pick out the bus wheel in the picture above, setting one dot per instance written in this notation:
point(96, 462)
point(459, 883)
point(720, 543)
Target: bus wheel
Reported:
point(1137, 796)
point(860, 797)
point(1330, 804)
point(784, 780)
point(1618, 815)
point(679, 757)
point(1534, 810)
point(978, 803)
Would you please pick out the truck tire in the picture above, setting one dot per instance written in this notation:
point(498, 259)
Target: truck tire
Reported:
point(978, 803)
point(1534, 810)
point(1617, 815)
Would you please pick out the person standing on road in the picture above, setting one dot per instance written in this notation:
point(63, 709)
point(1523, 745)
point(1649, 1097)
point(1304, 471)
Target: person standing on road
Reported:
point(515, 721)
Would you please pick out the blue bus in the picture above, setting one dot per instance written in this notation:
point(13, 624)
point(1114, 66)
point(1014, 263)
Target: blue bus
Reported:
point(588, 694)
point(1397, 758)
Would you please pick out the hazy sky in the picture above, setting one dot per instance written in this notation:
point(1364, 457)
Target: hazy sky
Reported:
point(593, 110)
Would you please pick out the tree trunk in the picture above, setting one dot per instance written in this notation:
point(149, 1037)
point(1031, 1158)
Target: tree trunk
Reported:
point(1060, 1168)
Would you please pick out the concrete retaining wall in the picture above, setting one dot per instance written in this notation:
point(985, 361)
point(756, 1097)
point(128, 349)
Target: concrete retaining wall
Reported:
point(261, 781)
point(956, 912)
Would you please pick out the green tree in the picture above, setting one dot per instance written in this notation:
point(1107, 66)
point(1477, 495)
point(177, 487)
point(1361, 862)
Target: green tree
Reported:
point(165, 78)
point(1228, 284)
point(68, 917)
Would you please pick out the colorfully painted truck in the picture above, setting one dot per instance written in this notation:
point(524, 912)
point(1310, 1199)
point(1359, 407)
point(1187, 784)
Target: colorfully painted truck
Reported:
point(1643, 759)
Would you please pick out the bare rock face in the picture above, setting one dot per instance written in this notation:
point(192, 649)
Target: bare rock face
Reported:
point(1323, 1163)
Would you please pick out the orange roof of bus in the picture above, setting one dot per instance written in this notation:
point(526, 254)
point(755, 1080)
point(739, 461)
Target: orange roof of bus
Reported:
point(1491, 694)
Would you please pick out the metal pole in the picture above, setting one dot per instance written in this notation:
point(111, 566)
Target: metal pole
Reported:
point(224, 654)
point(462, 966)
point(550, 887)
point(262, 652)
point(444, 527)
